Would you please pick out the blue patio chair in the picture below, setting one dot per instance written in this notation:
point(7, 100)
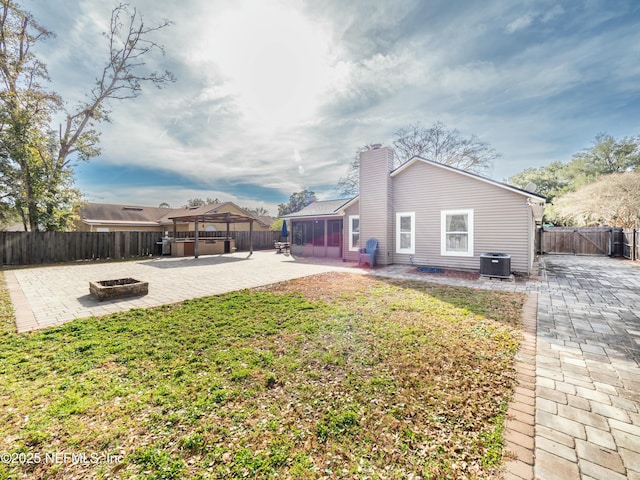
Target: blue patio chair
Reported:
point(368, 254)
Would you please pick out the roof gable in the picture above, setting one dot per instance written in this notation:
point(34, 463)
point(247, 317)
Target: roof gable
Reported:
point(407, 165)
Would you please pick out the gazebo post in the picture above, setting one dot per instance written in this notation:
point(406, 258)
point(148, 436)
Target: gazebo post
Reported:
point(195, 247)
point(251, 237)
point(227, 240)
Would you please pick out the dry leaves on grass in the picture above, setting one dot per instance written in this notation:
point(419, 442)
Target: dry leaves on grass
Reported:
point(336, 376)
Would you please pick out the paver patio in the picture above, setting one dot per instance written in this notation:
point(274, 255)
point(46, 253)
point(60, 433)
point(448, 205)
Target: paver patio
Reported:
point(48, 296)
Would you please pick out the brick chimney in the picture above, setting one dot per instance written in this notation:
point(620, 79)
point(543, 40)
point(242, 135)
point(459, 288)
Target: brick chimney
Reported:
point(376, 213)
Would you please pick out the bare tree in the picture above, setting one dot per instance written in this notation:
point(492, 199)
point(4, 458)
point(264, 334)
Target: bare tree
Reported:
point(121, 79)
point(436, 143)
point(35, 162)
point(440, 144)
point(612, 200)
point(349, 185)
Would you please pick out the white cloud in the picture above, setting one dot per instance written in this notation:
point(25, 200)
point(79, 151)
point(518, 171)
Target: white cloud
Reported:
point(529, 19)
point(520, 23)
point(274, 61)
point(553, 12)
point(281, 93)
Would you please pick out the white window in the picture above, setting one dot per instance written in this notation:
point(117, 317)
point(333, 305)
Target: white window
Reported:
point(354, 232)
point(406, 232)
point(457, 233)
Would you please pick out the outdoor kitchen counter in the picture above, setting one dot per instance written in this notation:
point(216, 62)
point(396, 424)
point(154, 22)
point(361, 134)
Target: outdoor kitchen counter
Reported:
point(206, 246)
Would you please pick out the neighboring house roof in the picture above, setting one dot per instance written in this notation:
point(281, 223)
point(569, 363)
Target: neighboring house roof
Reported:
point(321, 208)
point(97, 213)
point(506, 186)
point(112, 214)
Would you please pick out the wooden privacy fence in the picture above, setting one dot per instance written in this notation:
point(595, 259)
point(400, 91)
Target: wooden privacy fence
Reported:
point(261, 240)
point(613, 242)
point(34, 248)
point(630, 243)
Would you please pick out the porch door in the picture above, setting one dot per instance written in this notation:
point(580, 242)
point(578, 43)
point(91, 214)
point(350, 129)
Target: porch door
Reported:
point(334, 238)
point(319, 239)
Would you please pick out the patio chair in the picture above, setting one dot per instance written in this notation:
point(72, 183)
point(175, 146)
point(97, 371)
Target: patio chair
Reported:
point(368, 254)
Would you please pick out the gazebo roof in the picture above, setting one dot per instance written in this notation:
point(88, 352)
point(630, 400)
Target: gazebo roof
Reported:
point(224, 217)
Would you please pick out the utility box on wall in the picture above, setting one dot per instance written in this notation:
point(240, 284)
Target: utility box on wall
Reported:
point(496, 265)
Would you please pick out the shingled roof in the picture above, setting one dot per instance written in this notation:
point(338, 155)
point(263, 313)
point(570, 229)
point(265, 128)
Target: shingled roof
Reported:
point(321, 208)
point(107, 213)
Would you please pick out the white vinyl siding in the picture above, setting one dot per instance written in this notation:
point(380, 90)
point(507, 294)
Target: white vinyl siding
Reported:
point(456, 233)
point(354, 232)
point(406, 232)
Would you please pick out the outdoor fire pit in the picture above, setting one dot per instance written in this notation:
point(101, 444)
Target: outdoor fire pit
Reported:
point(121, 288)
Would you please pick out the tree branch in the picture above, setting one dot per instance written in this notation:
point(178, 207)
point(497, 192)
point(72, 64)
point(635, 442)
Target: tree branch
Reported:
point(121, 78)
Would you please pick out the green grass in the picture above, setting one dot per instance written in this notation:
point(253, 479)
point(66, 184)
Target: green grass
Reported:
point(338, 376)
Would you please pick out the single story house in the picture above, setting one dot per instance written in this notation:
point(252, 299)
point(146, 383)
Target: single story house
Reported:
point(422, 213)
point(101, 217)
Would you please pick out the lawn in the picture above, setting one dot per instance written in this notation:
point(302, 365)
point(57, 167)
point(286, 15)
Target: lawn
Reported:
point(332, 376)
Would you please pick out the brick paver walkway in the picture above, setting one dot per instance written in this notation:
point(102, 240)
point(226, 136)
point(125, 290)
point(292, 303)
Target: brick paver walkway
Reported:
point(588, 375)
point(576, 412)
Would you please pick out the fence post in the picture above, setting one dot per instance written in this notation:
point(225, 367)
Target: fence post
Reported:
point(612, 242)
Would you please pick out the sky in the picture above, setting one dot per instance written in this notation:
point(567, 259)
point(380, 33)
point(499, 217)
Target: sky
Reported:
point(275, 96)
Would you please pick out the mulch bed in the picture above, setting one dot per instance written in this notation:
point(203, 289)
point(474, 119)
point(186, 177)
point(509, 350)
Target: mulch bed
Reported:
point(444, 272)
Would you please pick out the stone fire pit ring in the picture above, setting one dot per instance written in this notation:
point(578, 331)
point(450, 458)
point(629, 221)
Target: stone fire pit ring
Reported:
point(119, 288)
